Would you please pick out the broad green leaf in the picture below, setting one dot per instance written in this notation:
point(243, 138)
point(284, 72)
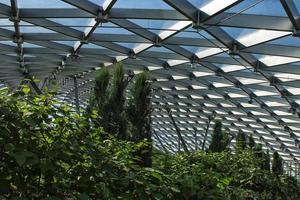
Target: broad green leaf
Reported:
point(26, 89)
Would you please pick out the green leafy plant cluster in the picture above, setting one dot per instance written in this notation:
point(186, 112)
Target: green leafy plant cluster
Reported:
point(47, 151)
point(223, 175)
point(125, 118)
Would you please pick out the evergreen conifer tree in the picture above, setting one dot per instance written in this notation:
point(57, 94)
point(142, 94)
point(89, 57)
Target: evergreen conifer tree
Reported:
point(251, 142)
point(266, 161)
point(109, 100)
point(240, 141)
point(139, 115)
point(277, 167)
point(217, 143)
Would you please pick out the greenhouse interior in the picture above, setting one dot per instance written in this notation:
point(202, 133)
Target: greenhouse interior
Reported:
point(150, 99)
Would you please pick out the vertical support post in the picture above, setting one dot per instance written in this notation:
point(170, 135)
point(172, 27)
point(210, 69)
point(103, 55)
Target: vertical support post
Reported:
point(76, 94)
point(210, 118)
point(177, 130)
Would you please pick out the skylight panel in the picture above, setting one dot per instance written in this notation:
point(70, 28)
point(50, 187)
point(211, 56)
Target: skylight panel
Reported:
point(222, 85)
point(176, 77)
point(35, 29)
point(196, 97)
point(174, 28)
point(182, 97)
point(214, 6)
point(258, 36)
point(226, 105)
point(162, 79)
point(254, 125)
point(236, 95)
point(176, 62)
point(287, 76)
point(273, 126)
point(211, 96)
point(277, 60)
point(274, 104)
point(237, 113)
point(43, 4)
point(6, 24)
point(193, 110)
point(230, 118)
point(258, 113)
point(247, 81)
point(261, 93)
point(151, 68)
point(205, 52)
point(286, 120)
point(7, 2)
point(231, 68)
point(68, 43)
point(29, 45)
point(198, 87)
point(180, 88)
point(200, 74)
point(247, 119)
point(10, 43)
point(140, 47)
point(153, 4)
point(293, 90)
point(281, 113)
point(220, 112)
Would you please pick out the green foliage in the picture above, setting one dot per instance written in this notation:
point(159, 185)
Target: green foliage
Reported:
point(47, 151)
point(263, 157)
point(109, 101)
point(224, 175)
point(277, 167)
point(241, 141)
point(139, 115)
point(130, 120)
point(220, 140)
point(251, 142)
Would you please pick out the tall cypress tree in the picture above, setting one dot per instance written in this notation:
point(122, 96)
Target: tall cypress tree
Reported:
point(277, 167)
point(262, 157)
point(251, 142)
point(117, 101)
point(109, 100)
point(240, 141)
point(139, 114)
point(266, 161)
point(217, 143)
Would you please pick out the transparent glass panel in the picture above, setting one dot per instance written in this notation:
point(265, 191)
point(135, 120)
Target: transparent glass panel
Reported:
point(288, 40)
point(6, 24)
point(249, 37)
point(275, 60)
point(266, 7)
point(210, 7)
point(153, 4)
point(43, 4)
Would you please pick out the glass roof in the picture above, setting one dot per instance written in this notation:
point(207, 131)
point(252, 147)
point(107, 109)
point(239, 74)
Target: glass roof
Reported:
point(238, 60)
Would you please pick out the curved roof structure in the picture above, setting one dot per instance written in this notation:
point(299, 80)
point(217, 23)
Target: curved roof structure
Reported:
point(238, 60)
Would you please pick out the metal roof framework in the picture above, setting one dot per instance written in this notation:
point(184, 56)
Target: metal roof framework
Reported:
point(236, 59)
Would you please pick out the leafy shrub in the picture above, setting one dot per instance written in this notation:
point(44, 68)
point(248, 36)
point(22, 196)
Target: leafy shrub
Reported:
point(224, 175)
point(47, 150)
